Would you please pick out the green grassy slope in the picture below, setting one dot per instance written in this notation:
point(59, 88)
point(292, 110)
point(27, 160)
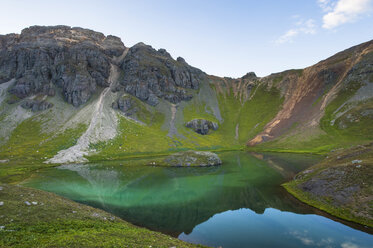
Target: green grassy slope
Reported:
point(342, 125)
point(339, 186)
point(149, 137)
point(53, 221)
point(28, 146)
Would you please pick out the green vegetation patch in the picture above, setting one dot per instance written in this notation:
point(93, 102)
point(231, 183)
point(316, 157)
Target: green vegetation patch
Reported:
point(33, 218)
point(241, 120)
point(134, 139)
point(28, 147)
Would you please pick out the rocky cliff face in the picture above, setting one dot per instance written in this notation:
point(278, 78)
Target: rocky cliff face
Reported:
point(77, 62)
point(41, 59)
point(149, 75)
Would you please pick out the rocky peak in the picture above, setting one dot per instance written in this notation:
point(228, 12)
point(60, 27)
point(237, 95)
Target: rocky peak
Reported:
point(75, 60)
point(150, 74)
point(250, 76)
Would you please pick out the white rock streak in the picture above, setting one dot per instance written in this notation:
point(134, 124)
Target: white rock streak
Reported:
point(77, 152)
point(102, 126)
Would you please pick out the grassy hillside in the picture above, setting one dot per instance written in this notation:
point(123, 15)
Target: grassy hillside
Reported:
point(344, 123)
point(34, 218)
point(28, 147)
point(340, 185)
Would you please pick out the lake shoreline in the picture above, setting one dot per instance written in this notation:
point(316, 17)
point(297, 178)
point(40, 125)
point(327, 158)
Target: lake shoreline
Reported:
point(352, 164)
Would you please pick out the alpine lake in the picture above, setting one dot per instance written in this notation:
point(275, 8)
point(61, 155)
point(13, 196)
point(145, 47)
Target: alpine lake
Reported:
point(238, 204)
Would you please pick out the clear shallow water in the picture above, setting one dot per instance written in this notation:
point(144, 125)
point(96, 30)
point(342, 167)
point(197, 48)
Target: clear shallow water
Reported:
point(239, 204)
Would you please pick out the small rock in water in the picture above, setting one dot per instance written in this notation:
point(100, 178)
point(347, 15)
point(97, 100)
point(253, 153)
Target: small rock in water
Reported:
point(1, 203)
point(356, 161)
point(34, 203)
point(27, 203)
point(192, 158)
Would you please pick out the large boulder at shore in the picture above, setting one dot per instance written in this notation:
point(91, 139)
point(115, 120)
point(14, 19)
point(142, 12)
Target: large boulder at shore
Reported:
point(202, 126)
point(192, 158)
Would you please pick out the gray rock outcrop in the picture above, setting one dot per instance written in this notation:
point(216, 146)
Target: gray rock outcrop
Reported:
point(125, 104)
point(150, 74)
point(202, 126)
point(76, 60)
point(36, 105)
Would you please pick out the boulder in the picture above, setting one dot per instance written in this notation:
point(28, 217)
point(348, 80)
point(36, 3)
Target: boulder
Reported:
point(202, 126)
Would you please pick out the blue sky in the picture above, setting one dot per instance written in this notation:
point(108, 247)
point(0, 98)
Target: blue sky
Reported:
point(224, 38)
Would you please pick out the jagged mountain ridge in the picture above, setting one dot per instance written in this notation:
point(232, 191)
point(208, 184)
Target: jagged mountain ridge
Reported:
point(134, 100)
point(78, 61)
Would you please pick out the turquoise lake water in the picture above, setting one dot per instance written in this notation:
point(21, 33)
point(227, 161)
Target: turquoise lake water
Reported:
point(238, 204)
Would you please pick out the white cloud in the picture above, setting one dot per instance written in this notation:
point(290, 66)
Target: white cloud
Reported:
point(307, 27)
point(287, 37)
point(349, 245)
point(326, 5)
point(343, 11)
point(301, 27)
point(302, 236)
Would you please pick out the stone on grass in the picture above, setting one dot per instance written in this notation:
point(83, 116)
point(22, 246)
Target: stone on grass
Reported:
point(202, 126)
